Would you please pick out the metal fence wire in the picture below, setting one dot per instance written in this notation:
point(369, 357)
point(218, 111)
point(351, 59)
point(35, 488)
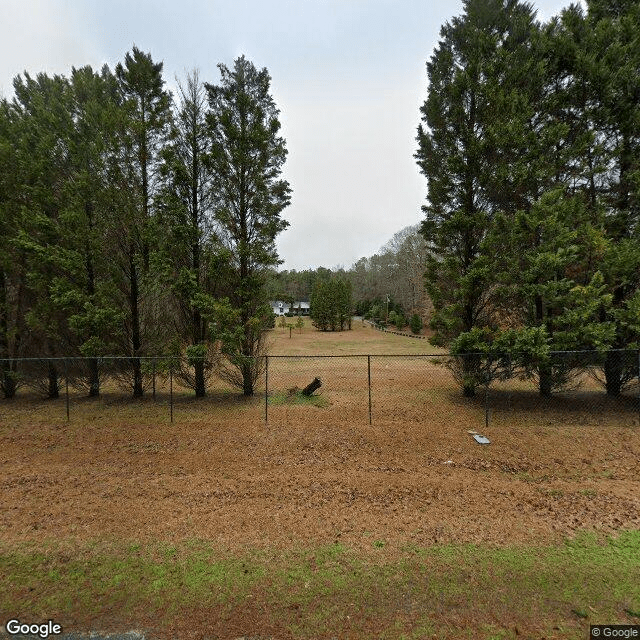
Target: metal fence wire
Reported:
point(581, 387)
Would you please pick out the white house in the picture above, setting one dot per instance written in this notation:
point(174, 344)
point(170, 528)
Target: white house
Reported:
point(280, 308)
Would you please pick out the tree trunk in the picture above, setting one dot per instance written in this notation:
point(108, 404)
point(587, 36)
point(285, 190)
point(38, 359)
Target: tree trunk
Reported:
point(613, 373)
point(9, 386)
point(135, 326)
point(196, 319)
point(7, 383)
point(94, 378)
point(198, 367)
point(247, 380)
point(546, 380)
point(311, 387)
point(470, 367)
point(54, 388)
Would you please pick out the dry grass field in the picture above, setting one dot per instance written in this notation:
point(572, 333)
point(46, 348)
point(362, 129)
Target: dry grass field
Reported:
point(318, 524)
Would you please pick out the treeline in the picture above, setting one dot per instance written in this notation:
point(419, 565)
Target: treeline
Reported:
point(134, 223)
point(530, 142)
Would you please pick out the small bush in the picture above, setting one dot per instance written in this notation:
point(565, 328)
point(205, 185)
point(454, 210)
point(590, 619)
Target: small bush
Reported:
point(415, 323)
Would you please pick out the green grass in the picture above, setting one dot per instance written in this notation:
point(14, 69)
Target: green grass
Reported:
point(279, 398)
point(449, 590)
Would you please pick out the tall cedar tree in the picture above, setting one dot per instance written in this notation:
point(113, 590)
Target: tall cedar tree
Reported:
point(185, 227)
point(545, 256)
point(459, 152)
point(142, 86)
point(86, 287)
point(246, 162)
point(545, 237)
point(12, 264)
point(612, 60)
point(40, 114)
point(331, 304)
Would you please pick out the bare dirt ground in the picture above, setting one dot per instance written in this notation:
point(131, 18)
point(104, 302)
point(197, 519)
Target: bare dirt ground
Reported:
point(238, 483)
point(316, 475)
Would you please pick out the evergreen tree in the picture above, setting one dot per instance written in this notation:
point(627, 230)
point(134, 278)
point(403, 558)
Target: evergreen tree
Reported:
point(73, 309)
point(331, 305)
point(184, 227)
point(612, 56)
point(457, 147)
point(548, 282)
point(41, 125)
point(85, 287)
point(246, 160)
point(12, 263)
point(147, 105)
point(461, 150)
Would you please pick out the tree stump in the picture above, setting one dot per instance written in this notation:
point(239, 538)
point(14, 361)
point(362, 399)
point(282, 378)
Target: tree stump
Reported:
point(310, 388)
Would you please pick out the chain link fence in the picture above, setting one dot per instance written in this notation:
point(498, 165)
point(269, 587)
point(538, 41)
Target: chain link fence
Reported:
point(567, 387)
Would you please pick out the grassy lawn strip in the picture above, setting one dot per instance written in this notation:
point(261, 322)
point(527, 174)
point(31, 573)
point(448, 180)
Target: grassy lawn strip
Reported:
point(444, 591)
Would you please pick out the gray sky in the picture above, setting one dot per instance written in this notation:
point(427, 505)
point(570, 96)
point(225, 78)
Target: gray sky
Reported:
point(347, 75)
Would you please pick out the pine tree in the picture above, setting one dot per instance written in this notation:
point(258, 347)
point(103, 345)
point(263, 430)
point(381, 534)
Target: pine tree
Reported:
point(40, 125)
point(12, 263)
point(246, 160)
point(147, 105)
point(331, 304)
point(613, 56)
point(474, 122)
point(548, 282)
point(189, 255)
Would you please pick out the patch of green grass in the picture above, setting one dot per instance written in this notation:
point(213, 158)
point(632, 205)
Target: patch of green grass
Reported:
point(298, 398)
point(134, 574)
point(331, 590)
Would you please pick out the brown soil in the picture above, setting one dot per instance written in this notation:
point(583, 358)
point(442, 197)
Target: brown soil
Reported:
point(316, 474)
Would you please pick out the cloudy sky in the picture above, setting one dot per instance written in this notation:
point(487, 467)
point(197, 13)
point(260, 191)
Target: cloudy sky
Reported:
point(347, 75)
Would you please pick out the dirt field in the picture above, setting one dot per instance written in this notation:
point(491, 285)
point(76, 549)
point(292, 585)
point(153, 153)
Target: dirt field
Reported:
point(321, 475)
point(117, 472)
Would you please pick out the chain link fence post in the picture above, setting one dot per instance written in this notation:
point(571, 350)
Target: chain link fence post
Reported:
point(369, 384)
point(266, 389)
point(171, 389)
point(66, 385)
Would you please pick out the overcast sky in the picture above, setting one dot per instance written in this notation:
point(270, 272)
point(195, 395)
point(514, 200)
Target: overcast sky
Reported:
point(347, 75)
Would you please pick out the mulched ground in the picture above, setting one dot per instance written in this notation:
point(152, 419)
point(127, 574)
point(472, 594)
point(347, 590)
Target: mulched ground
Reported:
point(308, 477)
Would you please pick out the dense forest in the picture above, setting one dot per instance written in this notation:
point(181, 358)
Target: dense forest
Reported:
point(135, 224)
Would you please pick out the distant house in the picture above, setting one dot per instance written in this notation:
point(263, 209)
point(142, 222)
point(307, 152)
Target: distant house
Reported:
point(298, 308)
